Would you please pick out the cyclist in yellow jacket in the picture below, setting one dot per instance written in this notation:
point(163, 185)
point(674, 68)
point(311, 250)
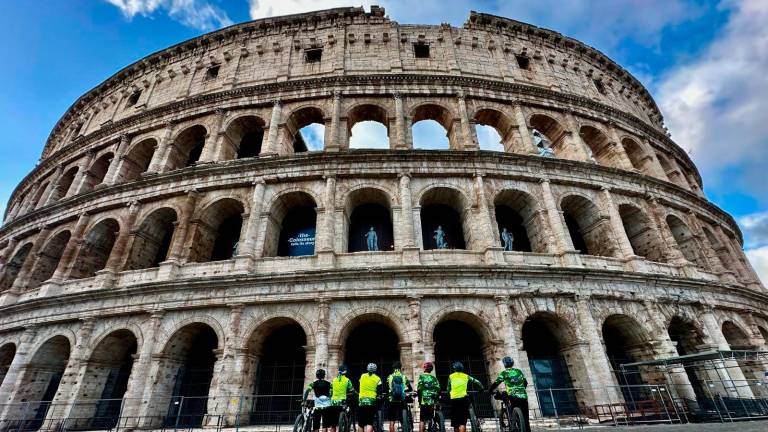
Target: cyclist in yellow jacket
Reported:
point(370, 390)
point(458, 382)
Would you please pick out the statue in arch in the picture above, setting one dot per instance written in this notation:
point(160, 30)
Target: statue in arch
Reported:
point(507, 239)
point(372, 240)
point(543, 144)
point(439, 237)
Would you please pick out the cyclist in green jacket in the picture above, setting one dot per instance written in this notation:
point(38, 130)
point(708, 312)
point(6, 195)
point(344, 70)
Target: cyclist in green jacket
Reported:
point(514, 383)
point(428, 389)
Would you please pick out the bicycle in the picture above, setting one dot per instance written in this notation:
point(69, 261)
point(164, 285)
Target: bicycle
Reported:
point(406, 417)
point(346, 418)
point(437, 422)
point(511, 418)
point(303, 422)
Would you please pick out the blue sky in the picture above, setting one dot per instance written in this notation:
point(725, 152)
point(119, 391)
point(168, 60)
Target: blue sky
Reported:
point(705, 62)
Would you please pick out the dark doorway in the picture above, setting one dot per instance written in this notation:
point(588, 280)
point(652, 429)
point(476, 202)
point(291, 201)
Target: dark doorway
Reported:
point(193, 376)
point(297, 235)
point(508, 218)
point(575, 232)
point(371, 342)
point(448, 219)
point(227, 238)
point(367, 216)
point(250, 145)
point(687, 339)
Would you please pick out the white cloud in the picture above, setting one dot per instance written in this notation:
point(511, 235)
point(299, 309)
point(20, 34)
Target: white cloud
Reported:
point(267, 8)
point(488, 138)
point(755, 227)
point(198, 14)
point(716, 106)
point(759, 259)
point(369, 134)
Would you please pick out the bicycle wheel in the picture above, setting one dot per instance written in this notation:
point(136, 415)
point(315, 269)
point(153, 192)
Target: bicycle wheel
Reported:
point(504, 418)
point(517, 420)
point(298, 425)
point(405, 421)
point(343, 422)
point(378, 421)
point(440, 421)
point(474, 421)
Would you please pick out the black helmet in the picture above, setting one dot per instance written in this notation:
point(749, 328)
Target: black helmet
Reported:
point(508, 362)
point(343, 369)
point(396, 365)
point(320, 374)
point(458, 367)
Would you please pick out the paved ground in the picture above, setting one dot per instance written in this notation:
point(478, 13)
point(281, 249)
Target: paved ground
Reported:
point(751, 426)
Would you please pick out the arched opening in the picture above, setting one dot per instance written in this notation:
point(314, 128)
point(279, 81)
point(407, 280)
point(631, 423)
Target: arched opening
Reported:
point(637, 156)
point(108, 370)
point(243, 138)
point(548, 343)
point(518, 220)
point(368, 127)
point(95, 250)
point(12, 267)
point(292, 227)
point(306, 130)
point(764, 333)
point(442, 219)
point(552, 131)
point(98, 170)
point(152, 241)
point(432, 128)
point(456, 340)
point(685, 240)
point(187, 147)
point(721, 252)
point(687, 339)
point(370, 340)
point(368, 216)
point(185, 373)
point(65, 184)
point(626, 342)
point(600, 146)
point(40, 381)
point(217, 232)
point(275, 370)
point(671, 170)
point(642, 235)
point(136, 161)
point(48, 259)
point(7, 353)
point(37, 198)
point(494, 130)
point(590, 233)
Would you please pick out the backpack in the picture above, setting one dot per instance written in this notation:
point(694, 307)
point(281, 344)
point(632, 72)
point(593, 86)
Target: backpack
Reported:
point(397, 391)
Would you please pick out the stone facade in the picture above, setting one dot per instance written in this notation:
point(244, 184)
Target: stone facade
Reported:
point(150, 231)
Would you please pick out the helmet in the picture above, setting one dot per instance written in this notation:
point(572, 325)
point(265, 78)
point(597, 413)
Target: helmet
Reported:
point(397, 365)
point(428, 366)
point(343, 369)
point(371, 367)
point(508, 362)
point(320, 374)
point(458, 367)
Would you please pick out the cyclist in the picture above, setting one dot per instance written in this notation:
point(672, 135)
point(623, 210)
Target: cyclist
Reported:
point(370, 391)
point(322, 390)
point(397, 383)
point(341, 387)
point(514, 383)
point(458, 382)
point(428, 389)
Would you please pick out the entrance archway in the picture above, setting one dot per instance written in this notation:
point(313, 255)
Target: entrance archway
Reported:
point(371, 341)
point(687, 338)
point(41, 379)
point(626, 342)
point(7, 353)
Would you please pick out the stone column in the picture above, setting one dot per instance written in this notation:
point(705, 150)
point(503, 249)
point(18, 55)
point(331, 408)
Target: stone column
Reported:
point(70, 251)
point(597, 366)
point(5, 254)
point(48, 195)
point(227, 384)
point(401, 141)
point(506, 327)
point(119, 253)
point(83, 172)
point(469, 135)
point(274, 124)
point(416, 334)
point(251, 227)
point(22, 277)
point(559, 241)
point(736, 383)
point(111, 177)
point(484, 234)
point(574, 140)
point(653, 164)
point(746, 273)
point(333, 143)
point(526, 140)
point(672, 252)
point(407, 211)
point(140, 389)
point(321, 342)
point(619, 150)
point(617, 225)
point(155, 165)
point(708, 249)
point(213, 147)
point(12, 382)
point(180, 234)
point(325, 234)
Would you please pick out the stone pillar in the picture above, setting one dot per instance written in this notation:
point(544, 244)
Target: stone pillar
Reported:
point(617, 225)
point(526, 140)
point(619, 150)
point(70, 251)
point(559, 241)
point(155, 165)
point(248, 245)
point(321, 339)
point(140, 389)
point(597, 366)
point(325, 235)
point(729, 369)
point(469, 135)
point(745, 272)
point(180, 234)
point(672, 252)
point(8, 250)
point(22, 277)
point(573, 139)
point(653, 164)
point(227, 384)
point(12, 382)
point(333, 143)
point(416, 335)
point(48, 195)
point(401, 141)
point(406, 210)
point(119, 253)
point(506, 327)
point(81, 177)
point(708, 249)
point(212, 148)
point(274, 124)
point(483, 227)
point(111, 177)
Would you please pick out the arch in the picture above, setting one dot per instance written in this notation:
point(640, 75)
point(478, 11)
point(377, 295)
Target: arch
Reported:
point(152, 240)
point(136, 160)
point(637, 155)
point(48, 259)
point(306, 130)
point(688, 337)
point(7, 353)
point(243, 137)
point(626, 341)
point(370, 338)
point(500, 123)
point(443, 209)
point(186, 370)
point(684, 239)
point(736, 337)
point(98, 170)
point(518, 213)
point(590, 232)
point(722, 253)
point(187, 147)
point(368, 126)
point(13, 266)
point(64, 186)
point(365, 209)
point(39, 193)
point(96, 249)
point(641, 233)
point(600, 146)
point(292, 225)
point(275, 367)
point(40, 379)
point(555, 133)
point(108, 371)
point(217, 231)
point(425, 136)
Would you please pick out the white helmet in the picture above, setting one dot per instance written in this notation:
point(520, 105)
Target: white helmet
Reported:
point(371, 367)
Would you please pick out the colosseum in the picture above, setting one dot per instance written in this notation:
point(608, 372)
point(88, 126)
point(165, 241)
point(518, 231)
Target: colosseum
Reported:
point(183, 253)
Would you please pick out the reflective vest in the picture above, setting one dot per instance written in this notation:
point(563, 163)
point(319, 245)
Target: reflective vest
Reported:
point(368, 385)
point(339, 385)
point(458, 382)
